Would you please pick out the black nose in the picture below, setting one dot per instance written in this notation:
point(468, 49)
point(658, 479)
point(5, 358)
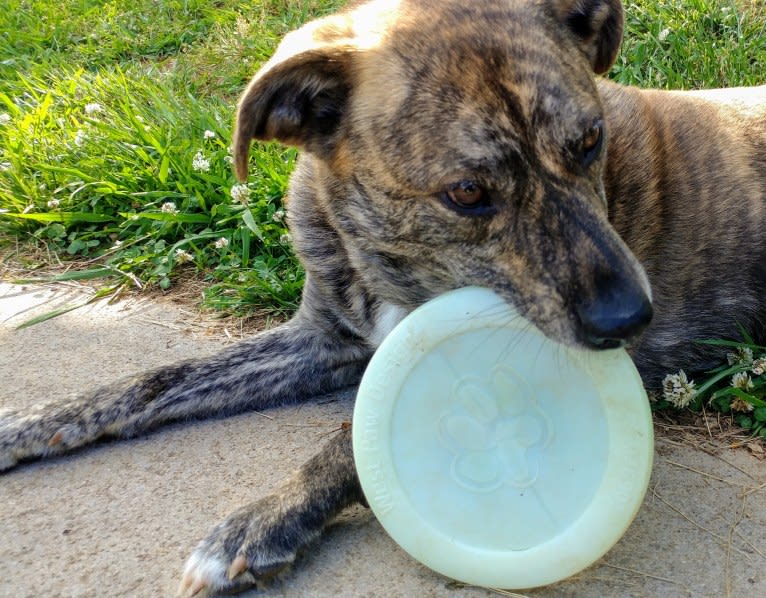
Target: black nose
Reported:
point(619, 312)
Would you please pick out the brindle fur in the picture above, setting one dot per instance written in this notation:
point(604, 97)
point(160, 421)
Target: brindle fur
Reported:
point(392, 102)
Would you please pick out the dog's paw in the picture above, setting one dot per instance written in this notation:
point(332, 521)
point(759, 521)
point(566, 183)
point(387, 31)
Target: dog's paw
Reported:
point(209, 574)
point(248, 549)
point(25, 436)
point(12, 445)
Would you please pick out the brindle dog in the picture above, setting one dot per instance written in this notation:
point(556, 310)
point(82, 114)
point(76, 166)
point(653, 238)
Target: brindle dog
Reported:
point(446, 144)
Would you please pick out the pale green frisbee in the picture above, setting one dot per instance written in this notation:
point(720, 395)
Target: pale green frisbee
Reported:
point(494, 455)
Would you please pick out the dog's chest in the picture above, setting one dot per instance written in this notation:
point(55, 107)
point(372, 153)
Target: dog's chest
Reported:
point(386, 318)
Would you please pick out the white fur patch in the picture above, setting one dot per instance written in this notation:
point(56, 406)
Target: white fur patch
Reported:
point(203, 568)
point(386, 319)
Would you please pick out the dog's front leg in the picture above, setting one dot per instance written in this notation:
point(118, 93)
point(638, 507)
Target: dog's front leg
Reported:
point(290, 363)
point(262, 539)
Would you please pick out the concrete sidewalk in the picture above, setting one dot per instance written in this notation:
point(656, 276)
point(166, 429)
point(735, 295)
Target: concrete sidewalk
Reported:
point(119, 519)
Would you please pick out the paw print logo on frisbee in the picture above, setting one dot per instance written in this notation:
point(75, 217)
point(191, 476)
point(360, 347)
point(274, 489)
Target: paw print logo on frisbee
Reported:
point(495, 430)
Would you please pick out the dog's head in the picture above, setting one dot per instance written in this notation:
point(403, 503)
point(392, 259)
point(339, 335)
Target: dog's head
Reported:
point(462, 142)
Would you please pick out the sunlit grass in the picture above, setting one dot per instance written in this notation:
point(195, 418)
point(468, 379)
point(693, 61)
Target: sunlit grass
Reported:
point(693, 44)
point(115, 129)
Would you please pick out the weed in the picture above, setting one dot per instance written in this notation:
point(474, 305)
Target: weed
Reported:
point(736, 388)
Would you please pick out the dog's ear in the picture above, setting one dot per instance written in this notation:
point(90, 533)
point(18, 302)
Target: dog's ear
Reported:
point(297, 98)
point(598, 24)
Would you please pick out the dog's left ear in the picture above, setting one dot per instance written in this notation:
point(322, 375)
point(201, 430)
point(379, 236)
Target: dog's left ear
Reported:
point(299, 96)
point(598, 25)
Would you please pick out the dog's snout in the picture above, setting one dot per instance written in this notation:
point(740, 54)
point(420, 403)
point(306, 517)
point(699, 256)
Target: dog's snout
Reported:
point(619, 311)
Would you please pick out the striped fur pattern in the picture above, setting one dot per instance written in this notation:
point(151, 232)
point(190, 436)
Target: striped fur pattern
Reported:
point(448, 144)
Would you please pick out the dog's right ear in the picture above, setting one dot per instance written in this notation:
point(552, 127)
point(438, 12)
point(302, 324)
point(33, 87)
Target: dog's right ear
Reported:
point(598, 25)
point(297, 98)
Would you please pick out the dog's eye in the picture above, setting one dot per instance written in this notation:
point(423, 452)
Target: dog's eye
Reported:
point(592, 141)
point(468, 198)
point(466, 194)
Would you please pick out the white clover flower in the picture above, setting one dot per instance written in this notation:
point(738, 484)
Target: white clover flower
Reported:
point(222, 243)
point(200, 163)
point(169, 208)
point(742, 381)
point(209, 134)
point(93, 108)
point(240, 193)
point(5, 118)
point(80, 138)
point(759, 366)
point(279, 215)
point(53, 204)
point(741, 405)
point(286, 239)
point(182, 256)
point(678, 390)
point(663, 34)
point(228, 159)
point(743, 355)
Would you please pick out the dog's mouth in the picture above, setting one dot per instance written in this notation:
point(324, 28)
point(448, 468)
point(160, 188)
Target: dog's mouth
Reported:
point(612, 314)
point(599, 325)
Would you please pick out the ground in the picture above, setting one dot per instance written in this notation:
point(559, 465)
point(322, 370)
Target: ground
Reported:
point(119, 519)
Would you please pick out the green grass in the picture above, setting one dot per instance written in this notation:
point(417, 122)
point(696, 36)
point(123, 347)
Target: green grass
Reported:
point(107, 106)
point(692, 44)
point(114, 191)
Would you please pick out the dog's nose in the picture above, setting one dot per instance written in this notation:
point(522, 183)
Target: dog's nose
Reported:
point(619, 312)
